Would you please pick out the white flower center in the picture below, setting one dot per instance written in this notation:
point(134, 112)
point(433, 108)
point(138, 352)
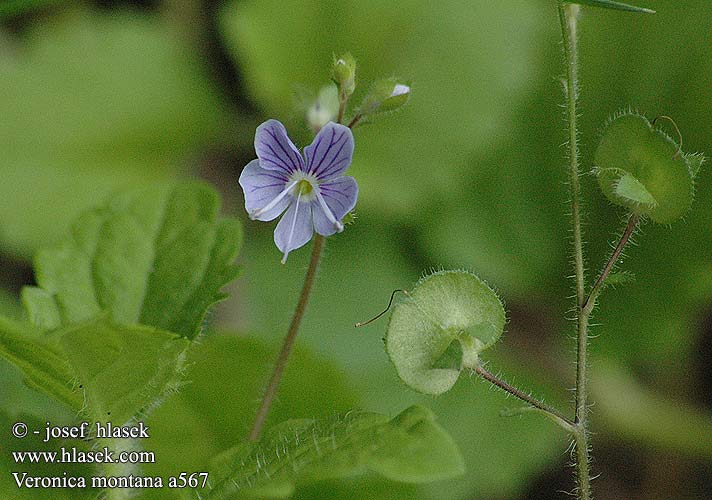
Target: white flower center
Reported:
point(306, 186)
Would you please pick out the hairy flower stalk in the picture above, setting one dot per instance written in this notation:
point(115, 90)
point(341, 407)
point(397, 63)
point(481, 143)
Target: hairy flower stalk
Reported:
point(314, 196)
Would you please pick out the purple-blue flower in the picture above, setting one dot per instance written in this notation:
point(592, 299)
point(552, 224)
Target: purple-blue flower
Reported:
point(311, 191)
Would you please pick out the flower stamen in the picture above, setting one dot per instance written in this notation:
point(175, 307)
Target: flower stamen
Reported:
point(256, 213)
point(329, 214)
point(291, 230)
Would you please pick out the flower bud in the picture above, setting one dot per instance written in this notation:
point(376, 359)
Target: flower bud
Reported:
point(343, 74)
point(385, 95)
point(323, 109)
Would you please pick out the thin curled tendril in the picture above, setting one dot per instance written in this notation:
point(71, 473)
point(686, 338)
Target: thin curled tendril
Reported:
point(390, 303)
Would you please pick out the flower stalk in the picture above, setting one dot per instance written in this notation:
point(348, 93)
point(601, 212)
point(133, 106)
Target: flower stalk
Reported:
point(317, 163)
point(288, 343)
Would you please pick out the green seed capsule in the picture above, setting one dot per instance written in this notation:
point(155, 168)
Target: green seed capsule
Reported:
point(641, 168)
point(441, 327)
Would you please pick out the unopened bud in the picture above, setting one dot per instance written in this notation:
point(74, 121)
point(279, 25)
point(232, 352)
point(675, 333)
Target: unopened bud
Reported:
point(385, 95)
point(343, 74)
point(323, 109)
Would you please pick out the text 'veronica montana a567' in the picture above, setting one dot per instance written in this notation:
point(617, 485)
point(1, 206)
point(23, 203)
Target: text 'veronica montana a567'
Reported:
point(183, 480)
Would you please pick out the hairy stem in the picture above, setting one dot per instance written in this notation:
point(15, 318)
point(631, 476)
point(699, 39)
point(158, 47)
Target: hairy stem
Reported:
point(283, 357)
point(493, 379)
point(567, 18)
point(590, 302)
point(355, 120)
point(342, 110)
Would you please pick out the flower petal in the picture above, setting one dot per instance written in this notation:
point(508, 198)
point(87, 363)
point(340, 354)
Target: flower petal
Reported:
point(339, 195)
point(262, 187)
point(295, 228)
point(330, 153)
point(275, 150)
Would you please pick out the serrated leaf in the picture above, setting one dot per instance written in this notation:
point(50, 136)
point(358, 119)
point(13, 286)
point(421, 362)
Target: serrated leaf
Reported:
point(444, 308)
point(41, 361)
point(155, 256)
point(108, 371)
point(610, 4)
point(410, 448)
point(122, 370)
point(199, 422)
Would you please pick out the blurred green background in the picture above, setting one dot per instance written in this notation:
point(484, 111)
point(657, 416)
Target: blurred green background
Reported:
point(96, 96)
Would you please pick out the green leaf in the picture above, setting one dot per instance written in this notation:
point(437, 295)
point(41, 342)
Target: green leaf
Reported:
point(619, 278)
point(154, 256)
point(410, 448)
point(106, 370)
point(610, 4)
point(41, 308)
point(641, 168)
point(95, 102)
point(122, 370)
point(444, 308)
point(41, 361)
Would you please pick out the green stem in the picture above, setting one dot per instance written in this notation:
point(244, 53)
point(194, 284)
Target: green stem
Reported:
point(283, 357)
point(355, 120)
point(342, 110)
point(567, 18)
point(568, 28)
point(493, 379)
point(590, 302)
